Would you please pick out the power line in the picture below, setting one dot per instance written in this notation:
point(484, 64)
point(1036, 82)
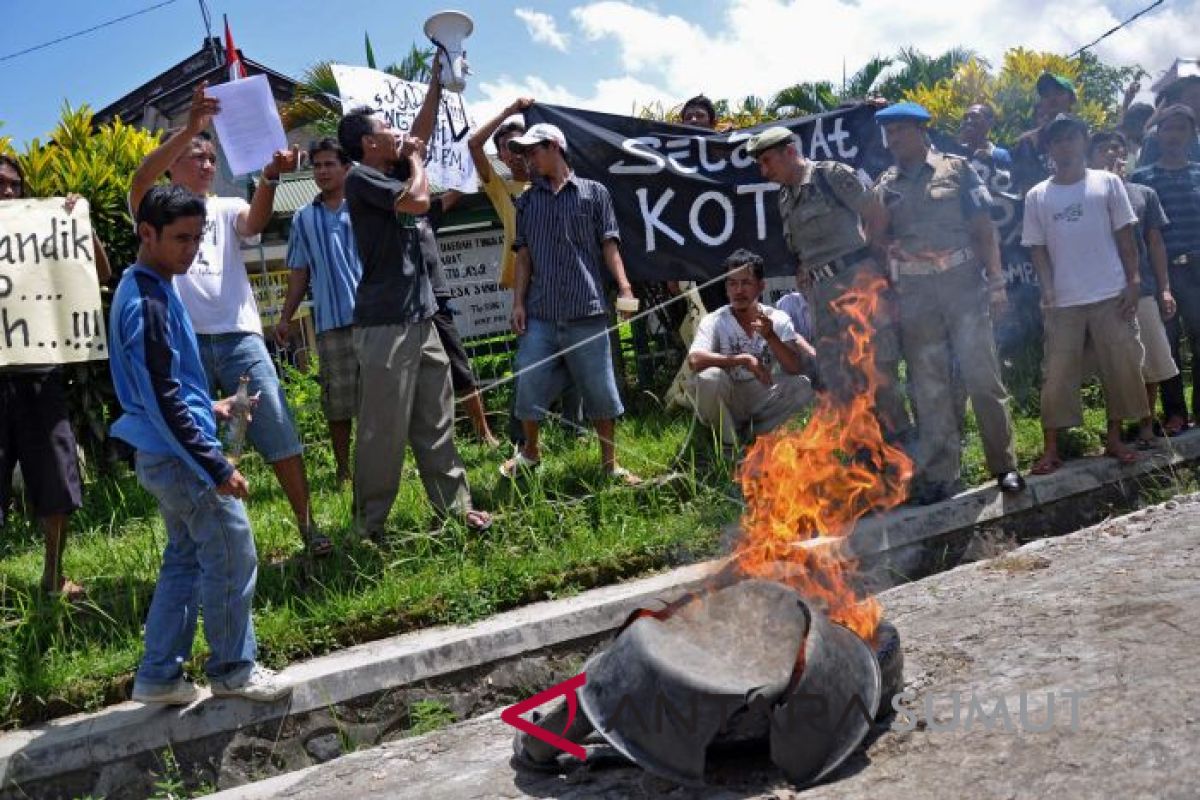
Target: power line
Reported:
point(1111, 31)
point(60, 39)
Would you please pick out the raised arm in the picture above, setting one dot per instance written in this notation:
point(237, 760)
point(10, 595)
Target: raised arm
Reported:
point(480, 137)
point(160, 159)
point(426, 119)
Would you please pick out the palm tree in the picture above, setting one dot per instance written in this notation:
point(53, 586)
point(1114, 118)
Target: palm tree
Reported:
point(862, 83)
point(805, 98)
point(315, 102)
point(815, 97)
point(919, 69)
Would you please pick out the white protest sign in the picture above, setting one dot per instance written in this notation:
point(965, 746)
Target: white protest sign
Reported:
point(448, 162)
point(49, 296)
point(248, 125)
point(471, 263)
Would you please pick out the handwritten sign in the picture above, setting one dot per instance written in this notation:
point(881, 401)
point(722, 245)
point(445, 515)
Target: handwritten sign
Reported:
point(471, 262)
point(448, 162)
point(49, 297)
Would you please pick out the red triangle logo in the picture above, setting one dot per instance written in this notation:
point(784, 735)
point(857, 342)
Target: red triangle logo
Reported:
point(512, 715)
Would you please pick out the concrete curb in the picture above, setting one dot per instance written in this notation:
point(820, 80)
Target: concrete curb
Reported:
point(84, 742)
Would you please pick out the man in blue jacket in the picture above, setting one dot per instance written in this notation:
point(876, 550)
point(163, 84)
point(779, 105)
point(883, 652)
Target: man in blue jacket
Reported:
point(171, 421)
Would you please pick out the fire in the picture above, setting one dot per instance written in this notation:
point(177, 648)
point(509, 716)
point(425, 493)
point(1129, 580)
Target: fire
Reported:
point(805, 490)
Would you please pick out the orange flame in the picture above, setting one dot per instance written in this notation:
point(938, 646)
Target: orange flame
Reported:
point(805, 490)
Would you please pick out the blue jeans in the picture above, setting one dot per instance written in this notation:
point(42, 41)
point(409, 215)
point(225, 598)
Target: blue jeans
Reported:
point(228, 356)
point(586, 363)
point(209, 561)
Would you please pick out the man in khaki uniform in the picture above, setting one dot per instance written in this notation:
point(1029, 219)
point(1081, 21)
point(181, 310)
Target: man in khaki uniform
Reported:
point(940, 233)
point(825, 209)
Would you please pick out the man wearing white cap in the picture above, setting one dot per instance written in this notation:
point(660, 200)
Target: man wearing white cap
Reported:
point(566, 237)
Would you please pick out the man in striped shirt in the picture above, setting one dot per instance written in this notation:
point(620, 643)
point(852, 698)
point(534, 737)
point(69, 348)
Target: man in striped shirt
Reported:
point(566, 238)
point(322, 252)
point(1177, 181)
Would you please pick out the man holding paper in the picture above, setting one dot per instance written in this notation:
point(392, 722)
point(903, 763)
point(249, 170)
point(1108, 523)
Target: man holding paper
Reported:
point(220, 301)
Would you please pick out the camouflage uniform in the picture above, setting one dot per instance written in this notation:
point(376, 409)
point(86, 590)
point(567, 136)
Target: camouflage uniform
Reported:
point(944, 312)
point(822, 226)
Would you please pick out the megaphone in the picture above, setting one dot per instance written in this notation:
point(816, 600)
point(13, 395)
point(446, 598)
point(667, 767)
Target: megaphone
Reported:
point(446, 30)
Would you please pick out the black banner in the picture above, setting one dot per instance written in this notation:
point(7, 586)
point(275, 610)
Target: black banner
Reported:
point(685, 198)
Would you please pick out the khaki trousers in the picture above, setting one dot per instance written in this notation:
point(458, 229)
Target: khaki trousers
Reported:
point(405, 399)
point(945, 317)
point(1118, 359)
point(832, 367)
point(746, 408)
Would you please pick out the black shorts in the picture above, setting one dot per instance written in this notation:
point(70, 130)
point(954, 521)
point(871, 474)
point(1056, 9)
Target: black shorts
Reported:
point(461, 376)
point(35, 432)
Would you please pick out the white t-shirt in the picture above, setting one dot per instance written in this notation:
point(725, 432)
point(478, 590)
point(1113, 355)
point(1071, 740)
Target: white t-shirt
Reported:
point(1075, 222)
point(216, 290)
point(720, 332)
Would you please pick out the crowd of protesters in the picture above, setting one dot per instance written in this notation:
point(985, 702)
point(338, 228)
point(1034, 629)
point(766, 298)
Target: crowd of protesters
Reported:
point(1114, 248)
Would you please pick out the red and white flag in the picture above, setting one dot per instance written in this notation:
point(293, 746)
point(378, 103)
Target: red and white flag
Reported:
point(232, 60)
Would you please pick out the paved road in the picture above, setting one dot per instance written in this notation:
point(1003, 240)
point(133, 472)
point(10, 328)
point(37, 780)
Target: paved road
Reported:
point(1110, 611)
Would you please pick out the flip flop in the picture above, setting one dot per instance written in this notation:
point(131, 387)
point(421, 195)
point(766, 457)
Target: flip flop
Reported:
point(1046, 466)
point(623, 476)
point(477, 521)
point(1124, 459)
point(319, 545)
point(1175, 426)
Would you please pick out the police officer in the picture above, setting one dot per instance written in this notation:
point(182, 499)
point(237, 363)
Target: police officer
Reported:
point(939, 235)
point(826, 211)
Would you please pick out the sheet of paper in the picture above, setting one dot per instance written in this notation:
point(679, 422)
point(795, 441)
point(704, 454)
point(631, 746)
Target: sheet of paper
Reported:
point(248, 125)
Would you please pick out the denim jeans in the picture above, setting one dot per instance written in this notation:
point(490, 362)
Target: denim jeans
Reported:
point(554, 355)
point(209, 562)
point(228, 356)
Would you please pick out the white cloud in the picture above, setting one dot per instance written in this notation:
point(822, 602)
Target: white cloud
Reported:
point(757, 47)
point(760, 46)
point(543, 29)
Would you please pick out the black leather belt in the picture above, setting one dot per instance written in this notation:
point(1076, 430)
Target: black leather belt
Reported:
point(840, 264)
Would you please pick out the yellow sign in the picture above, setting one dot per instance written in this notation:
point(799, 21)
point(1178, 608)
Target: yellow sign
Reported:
point(49, 296)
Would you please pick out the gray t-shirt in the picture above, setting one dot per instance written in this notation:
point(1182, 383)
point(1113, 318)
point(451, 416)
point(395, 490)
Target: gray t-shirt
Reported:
point(395, 287)
point(1150, 214)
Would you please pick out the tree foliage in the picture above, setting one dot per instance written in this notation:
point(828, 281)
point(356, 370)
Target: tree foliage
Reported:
point(96, 162)
point(1012, 91)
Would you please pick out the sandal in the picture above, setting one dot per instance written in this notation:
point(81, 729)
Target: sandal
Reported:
point(70, 591)
point(1124, 457)
point(317, 544)
point(623, 476)
point(519, 462)
point(1175, 426)
point(477, 521)
point(1046, 466)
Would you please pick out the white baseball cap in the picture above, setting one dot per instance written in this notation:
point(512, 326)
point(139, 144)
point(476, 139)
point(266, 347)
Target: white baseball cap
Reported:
point(541, 132)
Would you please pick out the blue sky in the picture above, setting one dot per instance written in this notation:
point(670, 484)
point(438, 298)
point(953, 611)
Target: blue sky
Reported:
point(606, 54)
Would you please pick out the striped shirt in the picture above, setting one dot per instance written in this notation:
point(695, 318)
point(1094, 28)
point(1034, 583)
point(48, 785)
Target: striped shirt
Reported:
point(323, 242)
point(1179, 192)
point(565, 234)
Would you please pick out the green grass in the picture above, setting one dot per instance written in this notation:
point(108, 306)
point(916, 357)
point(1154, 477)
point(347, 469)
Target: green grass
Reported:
point(561, 531)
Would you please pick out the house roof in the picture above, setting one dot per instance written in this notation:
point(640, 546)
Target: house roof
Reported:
point(167, 94)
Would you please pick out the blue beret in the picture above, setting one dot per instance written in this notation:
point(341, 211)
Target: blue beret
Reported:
point(902, 112)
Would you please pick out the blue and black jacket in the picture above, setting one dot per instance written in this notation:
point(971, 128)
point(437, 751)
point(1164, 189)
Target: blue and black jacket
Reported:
point(159, 378)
